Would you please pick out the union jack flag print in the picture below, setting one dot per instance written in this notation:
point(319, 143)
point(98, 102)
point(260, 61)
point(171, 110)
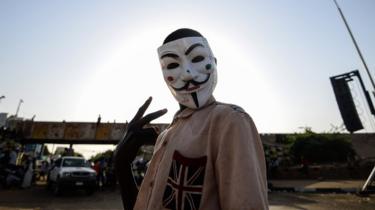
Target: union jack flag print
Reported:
point(185, 183)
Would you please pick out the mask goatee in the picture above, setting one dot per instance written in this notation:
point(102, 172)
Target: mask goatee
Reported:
point(195, 98)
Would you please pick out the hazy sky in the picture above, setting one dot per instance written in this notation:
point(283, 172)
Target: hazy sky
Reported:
point(73, 60)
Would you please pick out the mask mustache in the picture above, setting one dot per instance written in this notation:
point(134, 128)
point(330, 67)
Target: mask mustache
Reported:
point(186, 86)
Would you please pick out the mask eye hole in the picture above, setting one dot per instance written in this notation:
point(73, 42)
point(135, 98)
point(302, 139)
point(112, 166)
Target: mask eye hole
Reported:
point(197, 59)
point(173, 65)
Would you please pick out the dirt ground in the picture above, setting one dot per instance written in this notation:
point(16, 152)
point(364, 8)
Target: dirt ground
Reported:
point(38, 198)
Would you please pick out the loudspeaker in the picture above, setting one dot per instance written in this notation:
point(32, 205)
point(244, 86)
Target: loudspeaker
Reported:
point(346, 105)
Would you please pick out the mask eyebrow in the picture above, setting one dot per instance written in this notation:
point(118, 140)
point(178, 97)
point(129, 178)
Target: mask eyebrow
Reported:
point(192, 47)
point(169, 55)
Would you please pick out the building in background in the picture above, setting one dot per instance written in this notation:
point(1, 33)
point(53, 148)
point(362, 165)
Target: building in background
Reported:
point(3, 119)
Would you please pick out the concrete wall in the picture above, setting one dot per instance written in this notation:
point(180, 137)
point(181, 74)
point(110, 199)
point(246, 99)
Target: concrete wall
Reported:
point(363, 143)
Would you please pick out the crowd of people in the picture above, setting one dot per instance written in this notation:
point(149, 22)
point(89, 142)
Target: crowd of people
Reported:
point(105, 176)
point(16, 167)
point(21, 169)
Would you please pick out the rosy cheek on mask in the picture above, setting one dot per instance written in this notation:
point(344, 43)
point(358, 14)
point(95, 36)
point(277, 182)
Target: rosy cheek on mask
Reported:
point(170, 79)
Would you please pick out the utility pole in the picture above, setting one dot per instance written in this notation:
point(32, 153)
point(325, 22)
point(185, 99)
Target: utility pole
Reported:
point(356, 45)
point(371, 176)
point(18, 107)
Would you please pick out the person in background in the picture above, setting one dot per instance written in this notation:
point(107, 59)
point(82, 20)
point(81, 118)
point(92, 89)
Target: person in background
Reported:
point(29, 171)
point(43, 171)
point(12, 164)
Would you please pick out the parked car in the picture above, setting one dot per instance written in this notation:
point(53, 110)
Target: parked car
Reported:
point(69, 173)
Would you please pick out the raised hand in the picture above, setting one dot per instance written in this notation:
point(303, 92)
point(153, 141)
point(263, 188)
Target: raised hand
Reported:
point(136, 135)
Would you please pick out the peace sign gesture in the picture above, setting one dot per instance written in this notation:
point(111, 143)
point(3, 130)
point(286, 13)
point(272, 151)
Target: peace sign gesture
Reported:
point(137, 134)
point(136, 125)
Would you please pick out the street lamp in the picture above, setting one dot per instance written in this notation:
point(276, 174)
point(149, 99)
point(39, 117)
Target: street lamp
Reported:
point(2, 97)
point(18, 107)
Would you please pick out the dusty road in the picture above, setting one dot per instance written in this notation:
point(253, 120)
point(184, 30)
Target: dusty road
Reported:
point(38, 198)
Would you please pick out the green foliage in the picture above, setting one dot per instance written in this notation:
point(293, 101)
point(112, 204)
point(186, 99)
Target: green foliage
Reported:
point(106, 155)
point(320, 148)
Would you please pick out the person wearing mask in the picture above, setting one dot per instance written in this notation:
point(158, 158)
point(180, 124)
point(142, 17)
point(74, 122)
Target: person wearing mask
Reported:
point(210, 156)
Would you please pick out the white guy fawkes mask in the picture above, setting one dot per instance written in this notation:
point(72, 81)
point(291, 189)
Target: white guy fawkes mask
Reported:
point(189, 69)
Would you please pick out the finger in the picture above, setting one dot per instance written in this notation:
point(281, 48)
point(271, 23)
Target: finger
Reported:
point(149, 117)
point(142, 109)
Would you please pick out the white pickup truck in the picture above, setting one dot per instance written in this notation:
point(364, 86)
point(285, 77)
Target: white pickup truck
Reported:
point(70, 172)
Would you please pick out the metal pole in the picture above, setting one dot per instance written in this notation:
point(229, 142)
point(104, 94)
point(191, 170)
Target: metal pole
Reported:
point(369, 180)
point(355, 44)
point(367, 95)
point(18, 107)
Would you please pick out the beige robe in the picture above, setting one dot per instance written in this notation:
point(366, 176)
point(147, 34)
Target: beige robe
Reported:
point(211, 158)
